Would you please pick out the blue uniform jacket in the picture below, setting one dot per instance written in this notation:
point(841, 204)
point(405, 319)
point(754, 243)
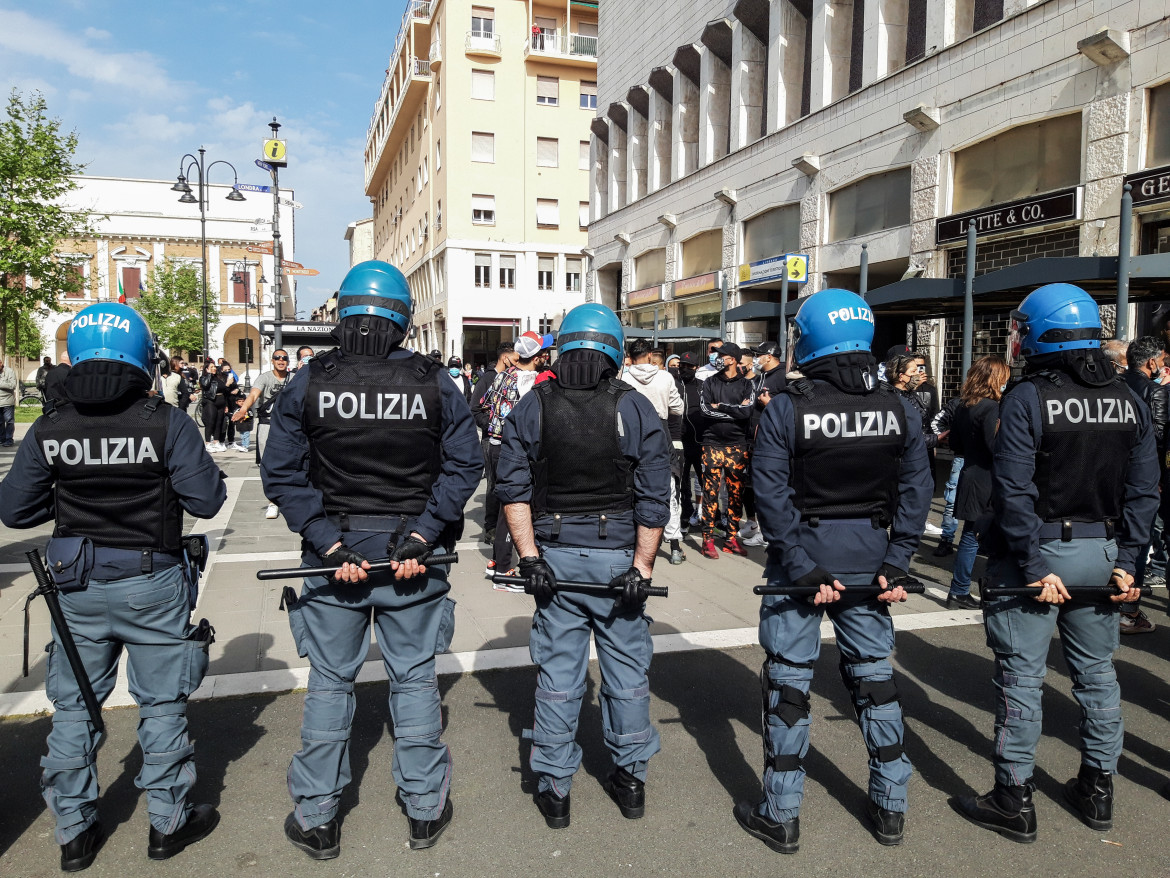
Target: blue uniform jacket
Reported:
point(285, 466)
point(642, 439)
point(26, 494)
point(841, 547)
point(1014, 494)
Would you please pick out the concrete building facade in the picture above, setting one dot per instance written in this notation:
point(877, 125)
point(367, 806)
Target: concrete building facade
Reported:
point(735, 132)
point(477, 164)
point(140, 224)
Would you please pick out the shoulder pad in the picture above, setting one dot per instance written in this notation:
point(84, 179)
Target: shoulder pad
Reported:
point(327, 361)
point(800, 387)
point(618, 387)
point(150, 406)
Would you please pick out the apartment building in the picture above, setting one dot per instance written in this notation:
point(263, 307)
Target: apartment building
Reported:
point(736, 131)
point(477, 164)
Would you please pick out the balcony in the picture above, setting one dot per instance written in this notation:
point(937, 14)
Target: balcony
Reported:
point(420, 67)
point(483, 43)
point(578, 50)
point(420, 9)
point(436, 56)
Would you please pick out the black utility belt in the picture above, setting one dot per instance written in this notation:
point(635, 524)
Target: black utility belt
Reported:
point(551, 522)
point(879, 520)
point(1066, 531)
point(148, 560)
point(383, 524)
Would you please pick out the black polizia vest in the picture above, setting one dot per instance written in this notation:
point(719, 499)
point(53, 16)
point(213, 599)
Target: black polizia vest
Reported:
point(374, 429)
point(1086, 437)
point(583, 469)
point(848, 451)
point(112, 481)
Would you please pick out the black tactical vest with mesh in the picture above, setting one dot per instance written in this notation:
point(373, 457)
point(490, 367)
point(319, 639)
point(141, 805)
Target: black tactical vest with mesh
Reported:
point(374, 429)
point(1087, 434)
point(848, 451)
point(583, 469)
point(112, 481)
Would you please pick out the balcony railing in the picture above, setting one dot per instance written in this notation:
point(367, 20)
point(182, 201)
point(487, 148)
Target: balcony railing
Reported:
point(483, 41)
point(436, 54)
point(419, 8)
point(421, 66)
point(574, 45)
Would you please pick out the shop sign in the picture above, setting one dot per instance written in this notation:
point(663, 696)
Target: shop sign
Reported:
point(1037, 211)
point(774, 269)
point(1150, 186)
point(692, 286)
point(644, 297)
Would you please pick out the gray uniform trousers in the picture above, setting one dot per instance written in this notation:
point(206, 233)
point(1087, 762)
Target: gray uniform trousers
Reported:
point(790, 632)
point(414, 619)
point(559, 645)
point(150, 616)
point(1019, 632)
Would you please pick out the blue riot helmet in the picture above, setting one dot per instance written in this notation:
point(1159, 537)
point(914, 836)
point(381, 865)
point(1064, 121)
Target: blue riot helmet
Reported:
point(832, 321)
point(592, 327)
point(1055, 317)
point(373, 309)
point(112, 352)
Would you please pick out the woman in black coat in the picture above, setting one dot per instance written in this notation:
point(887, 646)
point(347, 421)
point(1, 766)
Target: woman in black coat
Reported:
point(973, 438)
point(212, 399)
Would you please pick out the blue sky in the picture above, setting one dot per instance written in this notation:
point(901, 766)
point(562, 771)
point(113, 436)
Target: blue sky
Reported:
point(144, 81)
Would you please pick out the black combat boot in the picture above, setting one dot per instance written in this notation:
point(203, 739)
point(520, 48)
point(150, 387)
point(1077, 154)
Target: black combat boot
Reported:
point(321, 842)
point(1091, 795)
point(1007, 810)
point(783, 837)
point(888, 826)
point(554, 808)
point(203, 819)
point(424, 833)
point(79, 851)
point(628, 792)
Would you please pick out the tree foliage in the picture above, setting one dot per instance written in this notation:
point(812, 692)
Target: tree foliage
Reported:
point(36, 163)
point(24, 335)
point(172, 305)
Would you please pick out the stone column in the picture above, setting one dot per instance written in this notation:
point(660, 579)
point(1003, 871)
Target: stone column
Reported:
point(636, 159)
point(924, 196)
point(599, 177)
point(660, 142)
point(1105, 167)
point(714, 108)
point(684, 126)
point(617, 167)
point(748, 69)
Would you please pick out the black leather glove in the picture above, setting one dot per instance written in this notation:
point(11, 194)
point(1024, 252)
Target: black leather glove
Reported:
point(343, 554)
point(411, 547)
point(536, 570)
point(891, 573)
point(818, 576)
point(633, 587)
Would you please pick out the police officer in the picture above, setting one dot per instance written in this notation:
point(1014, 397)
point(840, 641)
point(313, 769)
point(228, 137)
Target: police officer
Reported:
point(372, 451)
point(584, 476)
point(1074, 488)
point(843, 490)
point(116, 469)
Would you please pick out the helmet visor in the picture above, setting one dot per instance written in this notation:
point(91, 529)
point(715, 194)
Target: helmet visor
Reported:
point(1018, 328)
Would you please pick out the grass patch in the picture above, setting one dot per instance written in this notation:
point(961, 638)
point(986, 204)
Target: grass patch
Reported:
point(26, 414)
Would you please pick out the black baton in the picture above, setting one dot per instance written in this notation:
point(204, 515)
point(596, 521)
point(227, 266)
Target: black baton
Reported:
point(652, 591)
point(48, 589)
point(1083, 591)
point(375, 567)
point(912, 586)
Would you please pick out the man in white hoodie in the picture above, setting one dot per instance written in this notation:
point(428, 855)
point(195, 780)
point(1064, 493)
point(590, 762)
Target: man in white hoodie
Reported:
point(656, 384)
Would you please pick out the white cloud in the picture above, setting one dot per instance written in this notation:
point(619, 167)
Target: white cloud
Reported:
point(94, 33)
point(23, 34)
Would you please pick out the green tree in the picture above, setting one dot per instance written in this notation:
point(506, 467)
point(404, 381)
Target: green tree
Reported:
point(172, 305)
point(36, 164)
point(24, 335)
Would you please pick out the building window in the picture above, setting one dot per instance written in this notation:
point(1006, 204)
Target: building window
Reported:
point(483, 22)
point(881, 201)
point(547, 152)
point(483, 210)
point(438, 93)
point(573, 275)
point(547, 213)
point(131, 283)
point(583, 215)
point(583, 156)
point(701, 254)
point(546, 267)
point(1020, 162)
point(77, 275)
point(438, 214)
point(483, 270)
point(483, 146)
point(241, 281)
point(483, 85)
point(419, 182)
point(772, 233)
point(1158, 152)
point(426, 173)
point(547, 90)
point(546, 325)
point(650, 269)
point(507, 272)
point(438, 155)
point(588, 95)
point(247, 351)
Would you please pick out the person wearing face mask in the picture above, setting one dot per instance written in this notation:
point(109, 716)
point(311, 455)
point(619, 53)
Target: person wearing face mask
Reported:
point(727, 399)
point(455, 370)
point(1144, 375)
point(714, 363)
point(767, 377)
point(689, 387)
point(906, 373)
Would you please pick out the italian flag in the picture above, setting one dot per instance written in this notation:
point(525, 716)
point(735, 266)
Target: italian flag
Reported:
point(121, 293)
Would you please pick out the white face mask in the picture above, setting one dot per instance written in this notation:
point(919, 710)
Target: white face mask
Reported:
point(1002, 388)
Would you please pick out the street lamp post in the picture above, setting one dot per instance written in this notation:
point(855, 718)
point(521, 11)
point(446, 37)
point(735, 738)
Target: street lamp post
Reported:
point(240, 276)
point(186, 163)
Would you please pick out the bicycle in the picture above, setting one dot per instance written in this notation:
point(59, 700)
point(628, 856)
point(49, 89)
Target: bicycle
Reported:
point(29, 397)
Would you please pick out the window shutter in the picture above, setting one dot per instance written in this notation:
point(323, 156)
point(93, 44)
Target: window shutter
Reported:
point(583, 211)
point(483, 147)
point(547, 213)
point(483, 85)
point(507, 261)
point(483, 260)
point(583, 156)
point(546, 263)
point(547, 88)
point(546, 152)
point(588, 88)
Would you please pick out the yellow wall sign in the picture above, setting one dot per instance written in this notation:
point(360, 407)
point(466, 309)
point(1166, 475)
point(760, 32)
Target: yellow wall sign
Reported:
point(274, 152)
point(798, 267)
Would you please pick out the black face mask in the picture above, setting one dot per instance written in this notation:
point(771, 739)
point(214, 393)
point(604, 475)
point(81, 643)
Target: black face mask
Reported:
point(852, 372)
point(673, 370)
point(686, 376)
point(103, 381)
point(1087, 366)
point(367, 335)
point(581, 369)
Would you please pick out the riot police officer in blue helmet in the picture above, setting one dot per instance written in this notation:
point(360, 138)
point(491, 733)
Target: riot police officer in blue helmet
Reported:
point(842, 488)
point(115, 469)
point(372, 454)
point(1074, 489)
point(584, 479)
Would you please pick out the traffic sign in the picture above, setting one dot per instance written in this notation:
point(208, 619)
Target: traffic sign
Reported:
point(275, 152)
point(288, 202)
point(290, 264)
point(797, 267)
point(252, 187)
point(259, 248)
point(308, 272)
point(264, 166)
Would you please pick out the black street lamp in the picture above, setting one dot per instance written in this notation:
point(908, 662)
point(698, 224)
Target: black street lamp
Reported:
point(181, 185)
